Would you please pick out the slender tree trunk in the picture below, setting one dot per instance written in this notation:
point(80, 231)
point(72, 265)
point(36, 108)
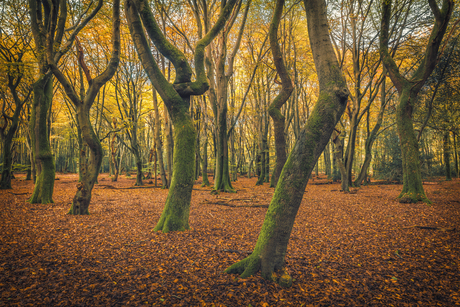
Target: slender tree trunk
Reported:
point(371, 138)
point(446, 151)
point(327, 160)
point(270, 250)
point(456, 155)
point(159, 142)
point(169, 146)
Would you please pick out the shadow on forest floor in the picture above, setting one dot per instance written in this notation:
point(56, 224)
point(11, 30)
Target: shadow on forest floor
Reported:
point(345, 249)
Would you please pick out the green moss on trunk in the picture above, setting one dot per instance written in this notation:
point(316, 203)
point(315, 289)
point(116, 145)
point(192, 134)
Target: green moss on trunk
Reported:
point(176, 211)
point(44, 160)
point(412, 191)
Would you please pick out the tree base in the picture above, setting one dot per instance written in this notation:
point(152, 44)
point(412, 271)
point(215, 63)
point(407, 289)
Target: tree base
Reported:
point(408, 197)
point(251, 265)
point(171, 223)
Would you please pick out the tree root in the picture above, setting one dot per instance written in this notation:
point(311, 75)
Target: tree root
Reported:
point(252, 264)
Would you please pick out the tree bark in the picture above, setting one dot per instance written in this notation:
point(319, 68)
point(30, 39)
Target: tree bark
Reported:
point(38, 125)
point(270, 250)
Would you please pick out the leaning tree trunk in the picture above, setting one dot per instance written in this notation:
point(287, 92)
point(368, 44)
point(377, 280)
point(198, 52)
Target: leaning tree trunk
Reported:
point(270, 250)
point(44, 160)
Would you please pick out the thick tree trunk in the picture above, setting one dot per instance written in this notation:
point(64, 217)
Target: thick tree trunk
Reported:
point(222, 180)
point(270, 250)
point(5, 182)
point(412, 179)
point(91, 164)
point(44, 160)
point(176, 211)
point(138, 160)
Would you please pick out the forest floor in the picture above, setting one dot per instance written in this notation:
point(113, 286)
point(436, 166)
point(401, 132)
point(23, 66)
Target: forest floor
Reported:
point(356, 249)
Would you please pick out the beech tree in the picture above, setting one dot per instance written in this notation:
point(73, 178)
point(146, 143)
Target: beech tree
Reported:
point(176, 98)
point(270, 250)
point(91, 165)
point(408, 89)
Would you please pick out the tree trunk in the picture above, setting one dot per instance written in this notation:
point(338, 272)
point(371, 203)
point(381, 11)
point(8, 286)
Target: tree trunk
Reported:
point(90, 166)
point(446, 151)
point(159, 142)
point(44, 160)
point(327, 160)
point(169, 147)
point(138, 161)
point(5, 182)
point(340, 163)
point(456, 155)
point(176, 211)
point(412, 179)
point(270, 250)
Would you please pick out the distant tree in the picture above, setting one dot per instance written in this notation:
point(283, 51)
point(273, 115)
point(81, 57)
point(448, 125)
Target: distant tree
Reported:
point(408, 89)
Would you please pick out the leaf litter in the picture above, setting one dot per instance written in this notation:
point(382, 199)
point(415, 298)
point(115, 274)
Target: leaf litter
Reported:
point(345, 249)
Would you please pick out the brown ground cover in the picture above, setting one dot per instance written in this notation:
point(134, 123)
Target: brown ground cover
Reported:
point(345, 249)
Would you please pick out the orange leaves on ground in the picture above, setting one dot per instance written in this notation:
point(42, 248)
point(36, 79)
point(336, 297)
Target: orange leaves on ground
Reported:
point(345, 249)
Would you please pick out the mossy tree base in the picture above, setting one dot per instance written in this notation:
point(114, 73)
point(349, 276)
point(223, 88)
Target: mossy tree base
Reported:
point(175, 214)
point(44, 185)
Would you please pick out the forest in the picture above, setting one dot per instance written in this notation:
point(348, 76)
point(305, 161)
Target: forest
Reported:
point(229, 153)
